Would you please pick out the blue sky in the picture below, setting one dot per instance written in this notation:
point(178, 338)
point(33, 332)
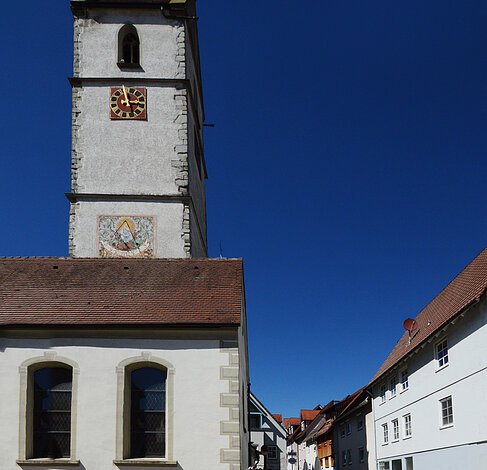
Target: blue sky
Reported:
point(347, 167)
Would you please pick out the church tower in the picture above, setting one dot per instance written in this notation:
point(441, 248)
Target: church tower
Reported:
point(138, 168)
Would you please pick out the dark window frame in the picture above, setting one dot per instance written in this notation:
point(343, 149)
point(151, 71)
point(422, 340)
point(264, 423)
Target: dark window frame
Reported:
point(50, 421)
point(128, 47)
point(141, 418)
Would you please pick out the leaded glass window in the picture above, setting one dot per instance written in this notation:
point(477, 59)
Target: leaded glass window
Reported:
point(148, 413)
point(52, 412)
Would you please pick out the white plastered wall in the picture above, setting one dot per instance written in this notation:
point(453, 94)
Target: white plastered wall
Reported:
point(464, 379)
point(168, 222)
point(198, 387)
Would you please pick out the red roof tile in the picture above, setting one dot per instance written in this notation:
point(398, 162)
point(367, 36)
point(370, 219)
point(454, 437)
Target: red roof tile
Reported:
point(463, 291)
point(54, 291)
point(291, 422)
point(309, 415)
point(278, 418)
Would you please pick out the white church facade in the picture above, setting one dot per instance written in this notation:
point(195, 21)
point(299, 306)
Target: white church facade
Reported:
point(132, 352)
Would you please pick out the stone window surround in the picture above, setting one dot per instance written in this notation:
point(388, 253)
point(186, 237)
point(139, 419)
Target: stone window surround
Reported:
point(49, 359)
point(122, 432)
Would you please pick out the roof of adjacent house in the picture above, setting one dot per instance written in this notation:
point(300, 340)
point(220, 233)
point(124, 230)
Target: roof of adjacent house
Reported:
point(82, 292)
point(461, 293)
point(352, 402)
point(277, 417)
point(309, 415)
point(291, 422)
point(327, 427)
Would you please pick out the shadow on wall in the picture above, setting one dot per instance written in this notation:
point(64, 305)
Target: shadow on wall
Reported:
point(117, 341)
point(53, 467)
point(82, 467)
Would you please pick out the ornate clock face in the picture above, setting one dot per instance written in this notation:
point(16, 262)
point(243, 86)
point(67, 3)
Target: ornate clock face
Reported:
point(128, 103)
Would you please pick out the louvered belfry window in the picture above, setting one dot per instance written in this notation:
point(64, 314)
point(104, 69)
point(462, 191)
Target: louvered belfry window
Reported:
point(52, 412)
point(148, 413)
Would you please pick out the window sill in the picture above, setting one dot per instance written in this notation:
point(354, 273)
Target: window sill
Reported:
point(404, 390)
point(126, 65)
point(146, 462)
point(407, 437)
point(446, 426)
point(47, 462)
point(392, 396)
point(442, 367)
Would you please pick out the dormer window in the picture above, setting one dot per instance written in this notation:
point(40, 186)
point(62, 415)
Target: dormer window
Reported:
point(128, 47)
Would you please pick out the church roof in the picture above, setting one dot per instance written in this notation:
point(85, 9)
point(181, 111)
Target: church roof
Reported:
point(464, 291)
point(84, 292)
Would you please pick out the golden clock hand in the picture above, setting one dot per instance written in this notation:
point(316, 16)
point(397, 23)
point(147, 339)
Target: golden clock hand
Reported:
point(126, 96)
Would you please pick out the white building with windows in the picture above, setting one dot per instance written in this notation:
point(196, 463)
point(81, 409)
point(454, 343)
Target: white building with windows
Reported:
point(132, 353)
point(429, 407)
point(268, 435)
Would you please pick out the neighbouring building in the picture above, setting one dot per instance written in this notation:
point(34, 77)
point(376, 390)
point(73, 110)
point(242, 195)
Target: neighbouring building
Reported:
point(429, 407)
point(268, 435)
point(349, 436)
point(292, 426)
point(335, 439)
point(119, 357)
point(300, 454)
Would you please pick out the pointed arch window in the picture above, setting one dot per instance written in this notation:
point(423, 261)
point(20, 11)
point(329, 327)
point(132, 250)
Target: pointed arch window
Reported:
point(128, 47)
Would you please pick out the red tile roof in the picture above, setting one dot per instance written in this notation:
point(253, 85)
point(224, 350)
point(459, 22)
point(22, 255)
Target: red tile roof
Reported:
point(462, 292)
point(54, 291)
point(309, 415)
point(291, 422)
point(278, 418)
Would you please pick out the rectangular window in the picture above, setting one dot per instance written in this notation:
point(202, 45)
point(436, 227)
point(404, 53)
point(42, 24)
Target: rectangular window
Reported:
point(383, 393)
point(396, 465)
point(342, 431)
point(408, 430)
point(384, 466)
point(395, 429)
point(272, 452)
point(360, 422)
point(409, 463)
point(385, 430)
point(442, 353)
point(255, 421)
point(344, 457)
point(361, 454)
point(393, 387)
point(349, 456)
point(349, 428)
point(404, 380)
point(446, 411)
